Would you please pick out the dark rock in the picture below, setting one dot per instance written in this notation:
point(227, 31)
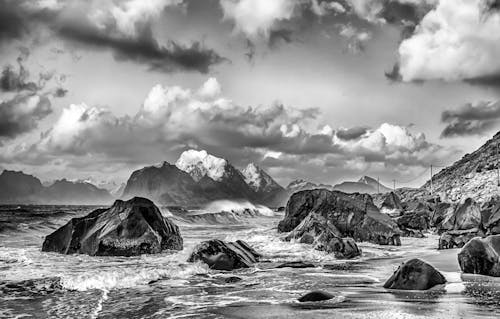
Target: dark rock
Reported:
point(225, 256)
point(127, 228)
point(318, 231)
point(415, 233)
point(415, 274)
point(480, 256)
point(467, 215)
point(391, 201)
point(232, 279)
point(457, 238)
point(296, 264)
point(439, 214)
point(418, 220)
point(352, 215)
point(490, 216)
point(316, 296)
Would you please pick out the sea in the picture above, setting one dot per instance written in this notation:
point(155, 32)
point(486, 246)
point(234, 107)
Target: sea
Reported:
point(36, 284)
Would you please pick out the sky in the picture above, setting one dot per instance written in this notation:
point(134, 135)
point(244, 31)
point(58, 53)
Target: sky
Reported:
point(325, 91)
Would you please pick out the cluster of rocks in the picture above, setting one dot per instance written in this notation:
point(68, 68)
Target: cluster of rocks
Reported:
point(333, 221)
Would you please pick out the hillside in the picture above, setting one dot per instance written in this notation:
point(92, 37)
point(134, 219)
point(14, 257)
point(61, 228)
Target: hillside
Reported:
point(475, 175)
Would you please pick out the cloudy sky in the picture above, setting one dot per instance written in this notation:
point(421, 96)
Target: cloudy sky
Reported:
point(321, 90)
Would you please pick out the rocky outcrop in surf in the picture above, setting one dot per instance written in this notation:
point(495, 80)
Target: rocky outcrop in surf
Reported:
point(480, 256)
point(127, 228)
point(353, 215)
point(324, 236)
point(415, 274)
point(221, 255)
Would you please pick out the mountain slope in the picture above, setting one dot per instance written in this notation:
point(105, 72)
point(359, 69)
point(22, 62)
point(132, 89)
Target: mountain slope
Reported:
point(474, 175)
point(21, 188)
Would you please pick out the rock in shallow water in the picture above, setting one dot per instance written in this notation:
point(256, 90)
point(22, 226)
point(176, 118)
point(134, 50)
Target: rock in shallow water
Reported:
point(481, 256)
point(316, 296)
point(127, 228)
point(353, 215)
point(225, 256)
point(415, 274)
point(316, 230)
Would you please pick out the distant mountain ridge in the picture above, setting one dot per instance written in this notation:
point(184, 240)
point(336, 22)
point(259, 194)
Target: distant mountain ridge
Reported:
point(366, 184)
point(21, 188)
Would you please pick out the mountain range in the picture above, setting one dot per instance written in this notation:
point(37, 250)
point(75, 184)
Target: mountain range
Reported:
point(21, 188)
point(198, 178)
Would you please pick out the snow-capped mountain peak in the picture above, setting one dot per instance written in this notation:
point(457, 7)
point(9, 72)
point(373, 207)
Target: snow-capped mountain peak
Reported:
point(253, 176)
point(200, 163)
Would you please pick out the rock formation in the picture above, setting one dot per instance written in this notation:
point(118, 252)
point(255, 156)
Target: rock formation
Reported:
point(127, 228)
point(324, 236)
point(221, 255)
point(481, 256)
point(415, 274)
point(353, 215)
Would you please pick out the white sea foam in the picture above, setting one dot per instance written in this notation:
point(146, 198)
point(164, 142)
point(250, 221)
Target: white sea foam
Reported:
point(236, 206)
point(129, 277)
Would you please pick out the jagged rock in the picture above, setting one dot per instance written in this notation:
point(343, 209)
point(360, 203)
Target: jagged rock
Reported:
point(127, 228)
point(467, 215)
point(417, 220)
point(316, 296)
point(457, 238)
point(440, 212)
point(220, 255)
point(317, 231)
point(296, 264)
point(481, 256)
point(490, 216)
point(352, 215)
point(391, 201)
point(415, 274)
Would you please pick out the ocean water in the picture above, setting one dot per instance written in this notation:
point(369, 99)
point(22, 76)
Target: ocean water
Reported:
point(35, 284)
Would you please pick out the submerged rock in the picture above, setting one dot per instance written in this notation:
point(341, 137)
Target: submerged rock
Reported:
point(316, 296)
point(415, 274)
point(316, 230)
point(127, 228)
point(353, 215)
point(457, 238)
point(221, 255)
point(481, 256)
point(296, 264)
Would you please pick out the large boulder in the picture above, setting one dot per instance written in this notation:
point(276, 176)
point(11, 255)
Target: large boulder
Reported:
point(415, 274)
point(457, 238)
point(127, 228)
point(481, 256)
point(414, 220)
point(466, 215)
point(221, 255)
point(323, 235)
point(440, 212)
point(353, 215)
point(391, 201)
point(490, 216)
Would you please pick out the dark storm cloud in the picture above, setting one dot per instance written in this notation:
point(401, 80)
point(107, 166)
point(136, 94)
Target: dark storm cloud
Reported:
point(22, 113)
point(471, 119)
point(144, 49)
point(351, 133)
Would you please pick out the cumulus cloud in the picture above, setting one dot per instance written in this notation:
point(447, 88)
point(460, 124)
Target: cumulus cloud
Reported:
point(471, 119)
point(457, 40)
point(173, 118)
point(257, 18)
